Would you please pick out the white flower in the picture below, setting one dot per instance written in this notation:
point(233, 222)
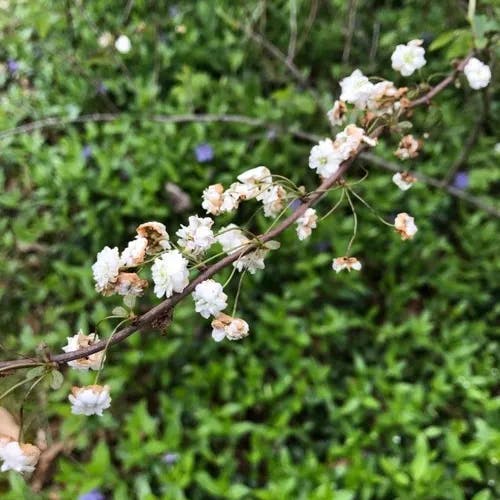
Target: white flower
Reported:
point(348, 141)
point(256, 180)
point(19, 457)
point(477, 73)
point(157, 236)
point(230, 199)
point(383, 95)
point(227, 326)
point(408, 58)
point(348, 263)
point(135, 252)
point(336, 115)
point(209, 298)
point(306, 223)
point(197, 236)
point(252, 261)
point(273, 199)
point(496, 148)
point(356, 89)
point(407, 148)
point(106, 269)
point(123, 44)
point(79, 341)
point(232, 239)
point(89, 400)
point(105, 39)
point(405, 226)
point(403, 180)
point(324, 158)
point(212, 199)
point(170, 273)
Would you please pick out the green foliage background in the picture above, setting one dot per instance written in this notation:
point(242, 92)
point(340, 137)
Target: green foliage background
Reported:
point(382, 384)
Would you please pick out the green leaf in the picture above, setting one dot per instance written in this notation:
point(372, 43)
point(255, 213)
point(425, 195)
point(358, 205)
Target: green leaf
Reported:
point(120, 312)
point(444, 39)
point(420, 463)
point(56, 379)
point(35, 372)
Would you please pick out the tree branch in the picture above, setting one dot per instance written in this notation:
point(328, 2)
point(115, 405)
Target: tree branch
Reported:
point(168, 305)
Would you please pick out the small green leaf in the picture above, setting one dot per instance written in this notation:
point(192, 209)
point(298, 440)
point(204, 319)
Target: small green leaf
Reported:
point(35, 372)
point(129, 301)
point(443, 39)
point(272, 245)
point(120, 312)
point(56, 379)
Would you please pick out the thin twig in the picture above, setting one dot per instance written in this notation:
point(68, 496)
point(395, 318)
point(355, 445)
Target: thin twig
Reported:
point(459, 193)
point(292, 43)
point(351, 23)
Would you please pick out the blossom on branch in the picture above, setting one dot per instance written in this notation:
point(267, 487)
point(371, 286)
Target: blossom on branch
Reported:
point(477, 73)
point(135, 252)
point(170, 274)
point(306, 223)
point(18, 457)
point(89, 400)
point(403, 180)
point(231, 198)
point(233, 240)
point(197, 237)
point(337, 114)
point(106, 269)
point(407, 148)
point(356, 89)
point(157, 236)
point(212, 199)
point(80, 341)
point(324, 158)
point(209, 298)
point(273, 198)
point(346, 263)
point(256, 180)
point(225, 326)
point(408, 58)
point(405, 226)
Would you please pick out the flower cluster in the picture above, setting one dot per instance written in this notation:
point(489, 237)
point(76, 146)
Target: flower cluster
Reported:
point(327, 156)
point(225, 326)
point(254, 183)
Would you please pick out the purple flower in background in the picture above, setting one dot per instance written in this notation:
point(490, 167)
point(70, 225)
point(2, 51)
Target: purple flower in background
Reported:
point(295, 204)
point(170, 458)
point(271, 134)
point(323, 246)
point(461, 180)
point(92, 495)
point(12, 66)
point(204, 153)
point(86, 152)
point(101, 88)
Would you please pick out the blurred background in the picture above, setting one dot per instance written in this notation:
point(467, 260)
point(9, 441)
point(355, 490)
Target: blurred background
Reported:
point(382, 384)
